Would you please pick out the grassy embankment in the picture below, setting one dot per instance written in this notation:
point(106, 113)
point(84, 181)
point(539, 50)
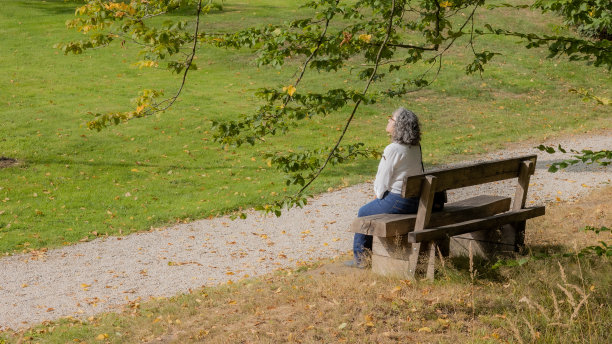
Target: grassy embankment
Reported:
point(552, 300)
point(72, 184)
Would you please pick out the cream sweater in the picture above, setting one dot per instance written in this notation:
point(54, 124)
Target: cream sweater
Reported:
point(397, 162)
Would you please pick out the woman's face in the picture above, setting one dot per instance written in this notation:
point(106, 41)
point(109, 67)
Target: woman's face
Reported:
point(391, 124)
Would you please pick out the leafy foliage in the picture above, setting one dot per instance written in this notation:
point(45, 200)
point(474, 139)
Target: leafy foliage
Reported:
point(371, 38)
point(593, 18)
point(586, 156)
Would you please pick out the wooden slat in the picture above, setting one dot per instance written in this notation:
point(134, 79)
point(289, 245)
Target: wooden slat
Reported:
point(474, 225)
point(459, 177)
point(390, 225)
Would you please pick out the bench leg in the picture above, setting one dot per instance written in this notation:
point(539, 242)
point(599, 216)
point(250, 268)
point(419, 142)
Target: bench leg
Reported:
point(394, 256)
point(431, 261)
point(519, 240)
point(413, 260)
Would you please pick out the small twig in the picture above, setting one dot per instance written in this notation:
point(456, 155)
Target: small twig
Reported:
point(401, 45)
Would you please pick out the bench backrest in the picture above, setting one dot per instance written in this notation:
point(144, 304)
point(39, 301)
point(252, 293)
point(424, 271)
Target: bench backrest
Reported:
point(476, 174)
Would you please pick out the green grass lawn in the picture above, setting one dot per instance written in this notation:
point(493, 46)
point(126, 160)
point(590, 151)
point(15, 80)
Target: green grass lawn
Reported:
point(72, 184)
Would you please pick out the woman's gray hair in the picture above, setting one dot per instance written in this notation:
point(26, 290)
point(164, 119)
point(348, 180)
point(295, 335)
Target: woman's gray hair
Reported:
point(407, 130)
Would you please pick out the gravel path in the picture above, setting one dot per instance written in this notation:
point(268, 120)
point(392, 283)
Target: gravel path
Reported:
point(101, 275)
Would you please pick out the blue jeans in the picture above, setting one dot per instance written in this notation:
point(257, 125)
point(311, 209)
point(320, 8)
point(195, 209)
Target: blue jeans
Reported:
point(391, 203)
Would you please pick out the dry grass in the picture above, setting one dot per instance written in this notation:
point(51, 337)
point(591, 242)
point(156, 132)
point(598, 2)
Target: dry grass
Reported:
point(562, 225)
point(562, 299)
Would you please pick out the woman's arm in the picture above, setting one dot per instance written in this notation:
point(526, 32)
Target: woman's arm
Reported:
point(386, 167)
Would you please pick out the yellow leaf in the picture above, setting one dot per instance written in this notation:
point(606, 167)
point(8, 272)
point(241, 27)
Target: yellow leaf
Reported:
point(365, 38)
point(424, 329)
point(102, 336)
point(289, 89)
point(232, 302)
point(443, 321)
point(135, 170)
point(139, 108)
point(446, 4)
point(396, 289)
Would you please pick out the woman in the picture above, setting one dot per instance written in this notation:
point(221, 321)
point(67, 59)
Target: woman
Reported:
point(401, 158)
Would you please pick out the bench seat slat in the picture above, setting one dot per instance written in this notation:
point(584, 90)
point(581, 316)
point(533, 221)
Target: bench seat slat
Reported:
point(442, 232)
point(389, 225)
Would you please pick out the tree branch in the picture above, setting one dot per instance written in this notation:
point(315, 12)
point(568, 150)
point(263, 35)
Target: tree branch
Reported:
point(357, 103)
point(188, 63)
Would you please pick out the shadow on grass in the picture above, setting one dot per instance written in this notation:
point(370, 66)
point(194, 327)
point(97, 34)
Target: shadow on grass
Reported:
point(483, 268)
point(209, 166)
point(52, 6)
point(546, 250)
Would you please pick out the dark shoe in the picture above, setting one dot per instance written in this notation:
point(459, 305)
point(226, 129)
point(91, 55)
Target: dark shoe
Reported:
point(353, 264)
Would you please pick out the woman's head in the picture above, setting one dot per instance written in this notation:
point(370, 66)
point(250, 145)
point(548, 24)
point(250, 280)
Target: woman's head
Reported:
point(404, 127)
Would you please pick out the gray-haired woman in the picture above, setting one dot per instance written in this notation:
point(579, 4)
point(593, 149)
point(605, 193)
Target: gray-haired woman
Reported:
point(400, 158)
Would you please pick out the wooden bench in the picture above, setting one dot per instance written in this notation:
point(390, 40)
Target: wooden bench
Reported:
point(397, 238)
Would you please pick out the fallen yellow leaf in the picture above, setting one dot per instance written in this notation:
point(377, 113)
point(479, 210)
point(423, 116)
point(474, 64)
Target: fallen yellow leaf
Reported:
point(102, 336)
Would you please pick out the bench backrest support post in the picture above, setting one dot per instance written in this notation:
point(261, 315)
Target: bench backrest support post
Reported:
point(520, 197)
point(425, 203)
point(422, 220)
